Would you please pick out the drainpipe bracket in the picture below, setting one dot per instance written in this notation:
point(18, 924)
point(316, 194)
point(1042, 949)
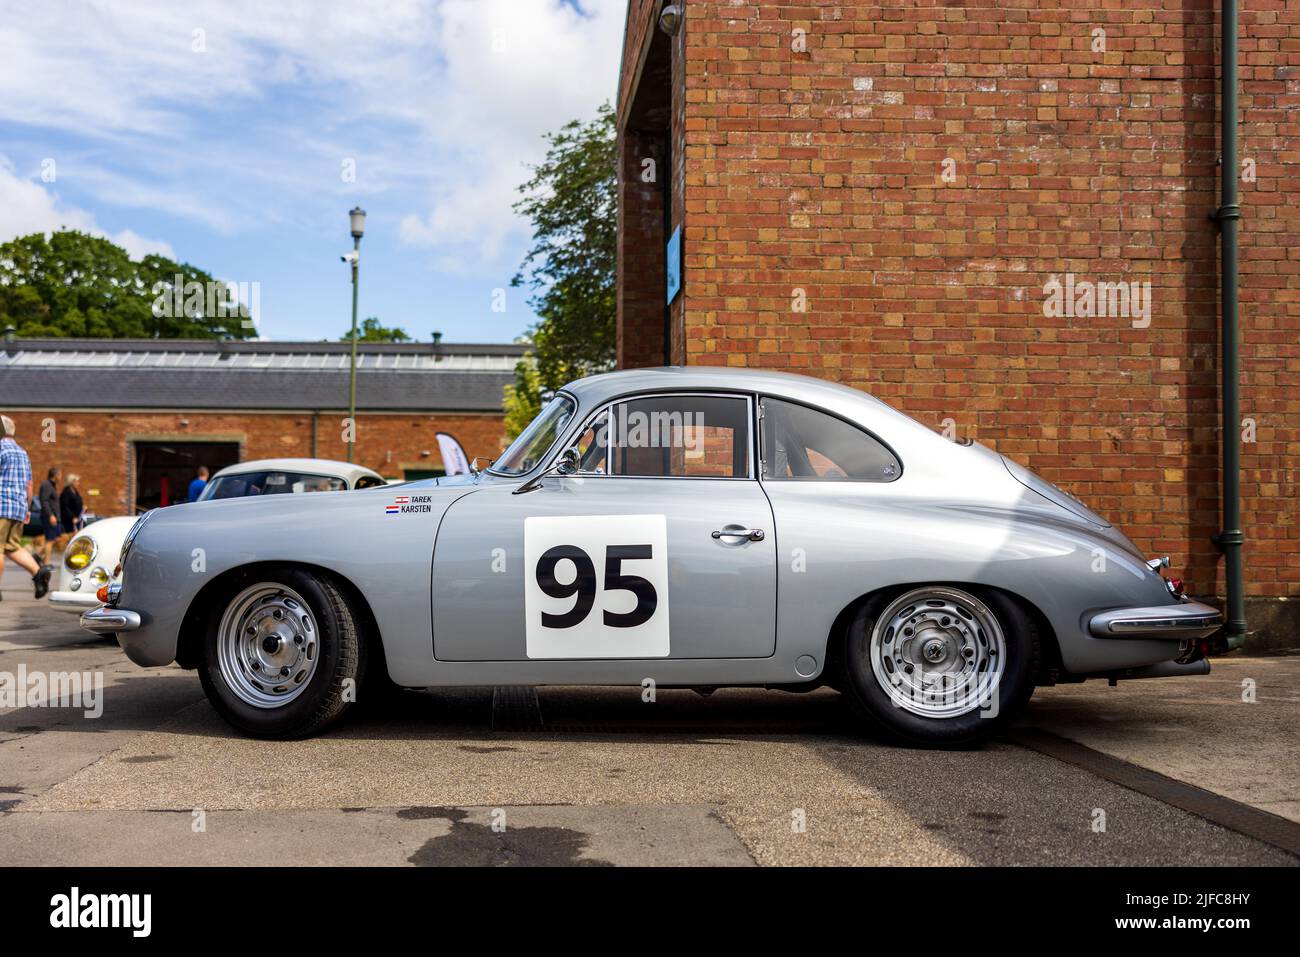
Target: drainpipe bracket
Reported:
point(1227, 211)
point(1228, 537)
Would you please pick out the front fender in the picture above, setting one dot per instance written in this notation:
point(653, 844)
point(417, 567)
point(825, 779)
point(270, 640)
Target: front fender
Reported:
point(385, 554)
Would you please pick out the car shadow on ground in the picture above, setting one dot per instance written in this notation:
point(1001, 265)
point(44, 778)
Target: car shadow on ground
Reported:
point(136, 701)
point(615, 712)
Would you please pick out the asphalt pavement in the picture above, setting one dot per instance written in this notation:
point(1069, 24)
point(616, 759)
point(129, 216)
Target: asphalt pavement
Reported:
point(597, 776)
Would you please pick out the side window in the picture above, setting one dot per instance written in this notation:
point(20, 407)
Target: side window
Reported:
point(687, 436)
point(803, 445)
point(368, 481)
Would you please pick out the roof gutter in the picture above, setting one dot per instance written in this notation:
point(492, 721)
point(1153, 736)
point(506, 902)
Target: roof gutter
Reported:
point(1230, 539)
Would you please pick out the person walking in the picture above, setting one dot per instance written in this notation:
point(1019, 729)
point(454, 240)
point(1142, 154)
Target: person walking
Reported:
point(49, 499)
point(71, 506)
point(15, 506)
point(198, 485)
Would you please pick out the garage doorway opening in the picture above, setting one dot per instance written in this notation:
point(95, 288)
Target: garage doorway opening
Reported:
point(164, 470)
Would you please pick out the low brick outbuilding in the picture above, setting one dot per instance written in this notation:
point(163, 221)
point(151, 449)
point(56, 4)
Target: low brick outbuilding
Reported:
point(134, 418)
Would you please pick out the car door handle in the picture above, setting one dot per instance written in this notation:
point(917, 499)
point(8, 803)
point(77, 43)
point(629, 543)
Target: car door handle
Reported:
point(735, 531)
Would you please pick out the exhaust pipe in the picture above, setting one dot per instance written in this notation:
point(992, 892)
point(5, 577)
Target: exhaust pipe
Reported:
point(1162, 669)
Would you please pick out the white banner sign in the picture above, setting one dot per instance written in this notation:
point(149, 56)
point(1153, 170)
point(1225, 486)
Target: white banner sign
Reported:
point(454, 460)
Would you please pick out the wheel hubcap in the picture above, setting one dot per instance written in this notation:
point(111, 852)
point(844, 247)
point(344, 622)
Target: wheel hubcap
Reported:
point(934, 650)
point(267, 645)
point(938, 652)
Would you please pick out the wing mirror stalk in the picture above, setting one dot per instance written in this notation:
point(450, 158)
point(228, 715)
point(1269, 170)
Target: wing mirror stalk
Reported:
point(566, 464)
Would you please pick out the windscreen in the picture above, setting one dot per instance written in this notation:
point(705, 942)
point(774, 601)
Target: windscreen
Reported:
point(270, 482)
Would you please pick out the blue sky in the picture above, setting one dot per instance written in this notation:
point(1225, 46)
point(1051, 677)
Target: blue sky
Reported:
point(223, 134)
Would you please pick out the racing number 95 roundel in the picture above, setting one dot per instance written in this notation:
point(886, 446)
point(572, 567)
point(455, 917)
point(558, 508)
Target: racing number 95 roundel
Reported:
point(596, 586)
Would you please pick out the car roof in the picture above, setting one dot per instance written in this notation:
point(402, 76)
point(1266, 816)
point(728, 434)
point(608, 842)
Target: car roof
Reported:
point(844, 400)
point(344, 470)
point(608, 385)
point(928, 457)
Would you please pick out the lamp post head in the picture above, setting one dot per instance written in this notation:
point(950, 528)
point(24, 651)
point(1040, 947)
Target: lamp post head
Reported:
point(357, 216)
point(670, 19)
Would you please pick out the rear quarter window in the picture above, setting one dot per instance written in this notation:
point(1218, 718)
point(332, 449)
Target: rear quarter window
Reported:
point(800, 444)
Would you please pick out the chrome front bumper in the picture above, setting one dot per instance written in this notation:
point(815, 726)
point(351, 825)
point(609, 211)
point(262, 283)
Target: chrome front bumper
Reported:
point(1190, 619)
point(109, 621)
point(73, 600)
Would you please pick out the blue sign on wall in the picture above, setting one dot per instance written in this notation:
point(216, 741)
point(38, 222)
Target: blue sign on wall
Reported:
point(674, 263)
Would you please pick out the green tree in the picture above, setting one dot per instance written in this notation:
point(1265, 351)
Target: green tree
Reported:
point(572, 201)
point(70, 283)
point(523, 398)
point(371, 331)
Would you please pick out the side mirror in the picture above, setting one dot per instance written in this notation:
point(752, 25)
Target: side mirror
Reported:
point(567, 464)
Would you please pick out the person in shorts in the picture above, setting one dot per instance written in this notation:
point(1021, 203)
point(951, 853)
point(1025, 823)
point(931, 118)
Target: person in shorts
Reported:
point(15, 507)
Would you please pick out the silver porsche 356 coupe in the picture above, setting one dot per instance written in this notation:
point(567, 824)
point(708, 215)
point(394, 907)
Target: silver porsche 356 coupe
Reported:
point(691, 527)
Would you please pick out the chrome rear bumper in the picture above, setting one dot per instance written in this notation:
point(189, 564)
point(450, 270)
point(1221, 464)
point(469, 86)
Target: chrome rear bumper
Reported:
point(109, 621)
point(1190, 619)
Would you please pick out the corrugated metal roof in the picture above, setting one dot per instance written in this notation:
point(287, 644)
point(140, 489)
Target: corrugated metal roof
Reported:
point(207, 374)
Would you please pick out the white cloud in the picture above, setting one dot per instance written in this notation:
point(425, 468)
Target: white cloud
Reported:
point(138, 246)
point(514, 71)
point(441, 103)
point(26, 207)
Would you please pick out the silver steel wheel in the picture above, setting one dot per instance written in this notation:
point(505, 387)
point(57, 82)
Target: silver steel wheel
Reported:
point(267, 645)
point(938, 652)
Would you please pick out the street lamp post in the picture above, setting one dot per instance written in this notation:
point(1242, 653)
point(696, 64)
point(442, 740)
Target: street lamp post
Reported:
point(357, 218)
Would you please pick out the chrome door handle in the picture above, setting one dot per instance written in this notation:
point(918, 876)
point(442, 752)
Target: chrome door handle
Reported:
point(735, 531)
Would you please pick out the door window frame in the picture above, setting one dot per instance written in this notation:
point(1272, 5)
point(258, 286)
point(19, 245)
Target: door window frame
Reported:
point(751, 420)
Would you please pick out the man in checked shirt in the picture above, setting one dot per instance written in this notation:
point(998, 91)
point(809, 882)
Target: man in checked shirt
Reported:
point(15, 506)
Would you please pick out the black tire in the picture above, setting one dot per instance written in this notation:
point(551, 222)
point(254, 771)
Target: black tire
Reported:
point(330, 690)
point(873, 705)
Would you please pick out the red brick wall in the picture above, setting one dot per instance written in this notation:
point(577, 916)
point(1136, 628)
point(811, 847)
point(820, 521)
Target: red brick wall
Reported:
point(823, 171)
point(642, 286)
point(96, 445)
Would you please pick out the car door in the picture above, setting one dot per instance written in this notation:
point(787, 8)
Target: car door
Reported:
point(661, 546)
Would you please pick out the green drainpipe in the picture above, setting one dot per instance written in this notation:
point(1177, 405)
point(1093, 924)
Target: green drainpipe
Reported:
point(1229, 211)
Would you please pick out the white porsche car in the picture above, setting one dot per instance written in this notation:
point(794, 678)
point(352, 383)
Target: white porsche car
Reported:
point(90, 560)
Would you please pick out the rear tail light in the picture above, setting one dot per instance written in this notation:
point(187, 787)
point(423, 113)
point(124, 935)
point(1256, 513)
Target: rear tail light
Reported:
point(1158, 565)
